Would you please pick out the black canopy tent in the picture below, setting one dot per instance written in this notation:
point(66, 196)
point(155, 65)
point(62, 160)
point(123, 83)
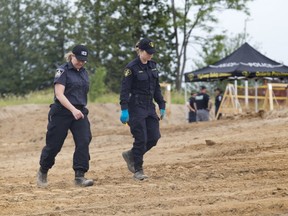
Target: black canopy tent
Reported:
point(245, 62)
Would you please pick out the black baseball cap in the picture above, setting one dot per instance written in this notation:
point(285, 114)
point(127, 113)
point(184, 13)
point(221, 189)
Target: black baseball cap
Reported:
point(203, 87)
point(218, 89)
point(80, 52)
point(147, 45)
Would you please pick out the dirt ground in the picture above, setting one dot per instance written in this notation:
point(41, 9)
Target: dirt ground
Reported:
point(243, 173)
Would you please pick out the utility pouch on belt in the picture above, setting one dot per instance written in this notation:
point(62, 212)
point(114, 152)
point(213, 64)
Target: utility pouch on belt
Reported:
point(54, 109)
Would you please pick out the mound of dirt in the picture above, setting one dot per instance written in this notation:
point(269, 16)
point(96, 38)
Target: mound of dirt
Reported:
point(244, 171)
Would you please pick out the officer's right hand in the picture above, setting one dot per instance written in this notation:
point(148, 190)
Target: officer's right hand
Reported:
point(77, 114)
point(162, 113)
point(124, 118)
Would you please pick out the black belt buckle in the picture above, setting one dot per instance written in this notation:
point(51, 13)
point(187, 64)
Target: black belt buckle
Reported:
point(146, 97)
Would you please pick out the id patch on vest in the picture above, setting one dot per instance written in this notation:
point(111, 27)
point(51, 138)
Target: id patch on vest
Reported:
point(127, 72)
point(59, 72)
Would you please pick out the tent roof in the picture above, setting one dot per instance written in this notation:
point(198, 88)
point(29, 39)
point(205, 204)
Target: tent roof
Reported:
point(244, 62)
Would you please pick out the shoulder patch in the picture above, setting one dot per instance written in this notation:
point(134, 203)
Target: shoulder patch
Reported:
point(127, 72)
point(59, 72)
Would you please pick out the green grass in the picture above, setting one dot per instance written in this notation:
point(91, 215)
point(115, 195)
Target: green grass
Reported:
point(46, 97)
point(107, 98)
point(177, 97)
point(39, 97)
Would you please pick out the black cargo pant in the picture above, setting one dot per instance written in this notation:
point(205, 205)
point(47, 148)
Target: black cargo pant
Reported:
point(144, 126)
point(192, 116)
point(60, 120)
point(216, 112)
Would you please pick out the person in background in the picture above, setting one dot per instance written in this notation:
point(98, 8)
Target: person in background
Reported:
point(203, 104)
point(69, 112)
point(218, 100)
point(192, 108)
point(140, 86)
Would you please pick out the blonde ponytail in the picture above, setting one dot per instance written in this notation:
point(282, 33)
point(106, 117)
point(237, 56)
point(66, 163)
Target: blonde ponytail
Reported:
point(68, 56)
point(137, 48)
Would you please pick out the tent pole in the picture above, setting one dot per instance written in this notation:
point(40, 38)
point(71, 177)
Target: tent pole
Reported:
point(236, 93)
point(256, 96)
point(246, 95)
point(185, 102)
point(270, 91)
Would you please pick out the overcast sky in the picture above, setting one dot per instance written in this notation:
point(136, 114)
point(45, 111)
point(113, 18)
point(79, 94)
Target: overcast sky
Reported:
point(267, 27)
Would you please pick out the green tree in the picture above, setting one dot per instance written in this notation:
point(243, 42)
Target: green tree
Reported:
point(113, 28)
point(217, 47)
point(97, 85)
point(12, 46)
point(32, 43)
point(35, 35)
point(203, 19)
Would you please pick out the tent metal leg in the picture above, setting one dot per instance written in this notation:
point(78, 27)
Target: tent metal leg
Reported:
point(186, 100)
point(270, 91)
point(236, 93)
point(246, 95)
point(256, 96)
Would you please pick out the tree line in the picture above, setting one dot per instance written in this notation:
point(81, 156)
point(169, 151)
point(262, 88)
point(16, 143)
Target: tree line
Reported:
point(35, 35)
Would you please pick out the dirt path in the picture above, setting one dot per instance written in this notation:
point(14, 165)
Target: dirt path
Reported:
point(244, 173)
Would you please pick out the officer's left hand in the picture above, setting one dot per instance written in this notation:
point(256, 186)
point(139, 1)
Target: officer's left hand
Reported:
point(162, 113)
point(77, 114)
point(124, 118)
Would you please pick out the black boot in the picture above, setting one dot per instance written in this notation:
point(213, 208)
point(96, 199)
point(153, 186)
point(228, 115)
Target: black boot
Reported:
point(128, 157)
point(139, 175)
point(42, 178)
point(80, 180)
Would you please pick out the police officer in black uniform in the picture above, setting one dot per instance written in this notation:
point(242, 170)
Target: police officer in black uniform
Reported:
point(140, 86)
point(69, 112)
point(203, 105)
point(192, 108)
point(218, 100)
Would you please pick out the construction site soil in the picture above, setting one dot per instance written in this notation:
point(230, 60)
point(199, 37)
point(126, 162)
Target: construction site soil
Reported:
point(235, 166)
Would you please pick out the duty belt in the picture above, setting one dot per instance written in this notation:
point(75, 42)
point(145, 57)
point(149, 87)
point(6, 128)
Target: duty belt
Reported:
point(80, 107)
point(143, 97)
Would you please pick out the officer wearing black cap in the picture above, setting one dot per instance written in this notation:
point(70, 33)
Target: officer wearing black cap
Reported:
point(218, 100)
point(69, 112)
point(203, 105)
point(192, 108)
point(140, 86)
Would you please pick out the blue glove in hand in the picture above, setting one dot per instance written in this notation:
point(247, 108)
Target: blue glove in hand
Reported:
point(124, 118)
point(162, 113)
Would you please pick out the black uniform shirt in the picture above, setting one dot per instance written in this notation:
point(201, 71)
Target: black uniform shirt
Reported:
point(192, 102)
point(76, 83)
point(202, 101)
point(218, 100)
point(141, 79)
